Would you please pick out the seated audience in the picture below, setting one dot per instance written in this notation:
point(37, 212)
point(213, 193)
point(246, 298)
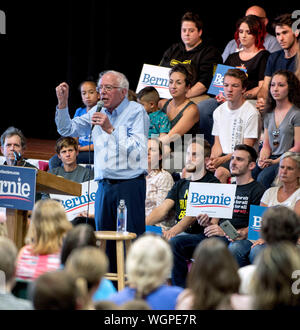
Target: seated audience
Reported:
point(148, 97)
point(287, 193)
point(270, 42)
point(44, 239)
point(273, 280)
point(281, 125)
point(253, 58)
point(158, 182)
point(57, 290)
point(279, 224)
point(195, 51)
point(90, 97)
point(248, 190)
point(8, 256)
point(284, 59)
point(213, 281)
point(148, 266)
point(88, 264)
point(81, 236)
point(235, 122)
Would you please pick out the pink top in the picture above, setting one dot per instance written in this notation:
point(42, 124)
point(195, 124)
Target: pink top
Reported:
point(30, 266)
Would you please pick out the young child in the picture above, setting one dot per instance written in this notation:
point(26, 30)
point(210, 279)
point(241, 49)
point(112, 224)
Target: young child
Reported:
point(89, 97)
point(159, 121)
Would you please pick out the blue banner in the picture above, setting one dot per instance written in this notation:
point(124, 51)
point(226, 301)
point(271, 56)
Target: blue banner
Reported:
point(255, 220)
point(17, 187)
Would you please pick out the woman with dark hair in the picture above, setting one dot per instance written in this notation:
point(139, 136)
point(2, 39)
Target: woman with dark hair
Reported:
point(252, 57)
point(281, 125)
point(181, 111)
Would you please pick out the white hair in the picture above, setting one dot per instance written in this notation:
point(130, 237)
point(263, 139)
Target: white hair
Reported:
point(123, 81)
point(149, 263)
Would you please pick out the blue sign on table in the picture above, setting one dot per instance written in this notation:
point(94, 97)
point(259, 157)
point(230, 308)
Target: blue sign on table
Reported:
point(255, 220)
point(17, 187)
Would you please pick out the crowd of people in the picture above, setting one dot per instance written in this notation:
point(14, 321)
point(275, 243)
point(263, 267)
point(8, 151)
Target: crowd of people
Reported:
point(146, 151)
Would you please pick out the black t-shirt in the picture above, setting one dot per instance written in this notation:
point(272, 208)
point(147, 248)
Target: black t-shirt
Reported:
point(255, 66)
point(179, 194)
point(202, 58)
point(246, 195)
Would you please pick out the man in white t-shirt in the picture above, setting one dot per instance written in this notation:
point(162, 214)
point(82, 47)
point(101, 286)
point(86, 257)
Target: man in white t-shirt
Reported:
point(236, 121)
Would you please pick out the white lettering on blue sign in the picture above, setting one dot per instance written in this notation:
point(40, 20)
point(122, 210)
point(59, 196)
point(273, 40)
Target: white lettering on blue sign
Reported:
point(12, 188)
point(219, 79)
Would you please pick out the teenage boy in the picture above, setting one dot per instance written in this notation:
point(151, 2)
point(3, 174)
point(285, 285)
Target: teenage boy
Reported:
point(236, 121)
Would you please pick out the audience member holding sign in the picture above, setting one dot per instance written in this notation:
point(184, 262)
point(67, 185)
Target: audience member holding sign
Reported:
point(248, 192)
point(252, 58)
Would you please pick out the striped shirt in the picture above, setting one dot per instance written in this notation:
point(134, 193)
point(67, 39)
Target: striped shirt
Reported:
point(30, 266)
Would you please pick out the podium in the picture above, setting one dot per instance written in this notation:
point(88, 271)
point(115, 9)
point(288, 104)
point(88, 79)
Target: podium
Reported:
point(47, 183)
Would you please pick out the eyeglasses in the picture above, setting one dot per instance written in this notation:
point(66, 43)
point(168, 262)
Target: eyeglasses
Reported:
point(107, 88)
point(275, 134)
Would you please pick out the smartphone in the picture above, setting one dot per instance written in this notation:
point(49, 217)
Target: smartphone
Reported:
point(229, 230)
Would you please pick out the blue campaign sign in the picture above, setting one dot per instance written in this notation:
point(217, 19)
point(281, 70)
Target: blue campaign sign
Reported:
point(255, 219)
point(216, 85)
point(17, 187)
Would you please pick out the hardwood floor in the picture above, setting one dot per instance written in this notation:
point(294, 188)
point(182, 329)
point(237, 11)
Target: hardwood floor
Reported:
point(40, 149)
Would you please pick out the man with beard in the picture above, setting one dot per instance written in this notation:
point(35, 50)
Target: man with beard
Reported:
point(248, 192)
point(284, 59)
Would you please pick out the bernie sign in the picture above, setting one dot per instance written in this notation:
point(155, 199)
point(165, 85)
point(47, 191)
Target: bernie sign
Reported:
point(17, 187)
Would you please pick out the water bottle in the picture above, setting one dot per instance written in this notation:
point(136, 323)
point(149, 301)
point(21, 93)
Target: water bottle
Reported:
point(122, 217)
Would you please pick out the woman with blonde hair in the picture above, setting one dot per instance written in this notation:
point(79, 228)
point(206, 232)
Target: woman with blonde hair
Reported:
point(88, 265)
point(44, 239)
point(149, 263)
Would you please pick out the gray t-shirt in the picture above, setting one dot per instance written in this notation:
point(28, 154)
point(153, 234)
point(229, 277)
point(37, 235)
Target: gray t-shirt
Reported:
point(284, 134)
point(80, 174)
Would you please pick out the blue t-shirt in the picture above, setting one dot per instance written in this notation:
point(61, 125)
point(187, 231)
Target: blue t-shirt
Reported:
point(163, 298)
point(105, 289)
point(277, 61)
point(83, 140)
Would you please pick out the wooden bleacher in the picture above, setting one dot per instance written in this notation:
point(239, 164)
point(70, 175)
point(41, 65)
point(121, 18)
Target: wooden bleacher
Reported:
point(40, 149)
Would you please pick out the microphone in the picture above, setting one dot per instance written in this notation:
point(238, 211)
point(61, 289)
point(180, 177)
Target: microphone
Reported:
point(100, 104)
point(17, 157)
